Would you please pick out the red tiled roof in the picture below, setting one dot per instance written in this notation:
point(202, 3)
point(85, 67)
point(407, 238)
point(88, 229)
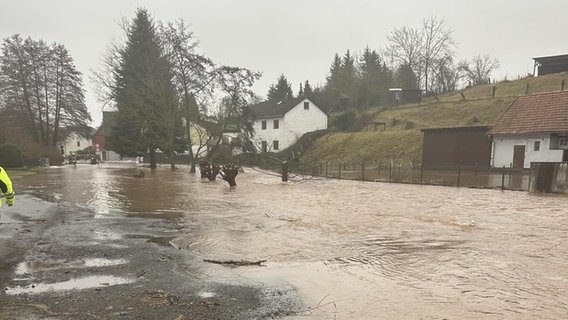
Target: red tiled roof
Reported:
point(535, 113)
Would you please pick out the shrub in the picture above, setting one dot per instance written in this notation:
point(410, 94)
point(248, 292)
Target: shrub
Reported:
point(10, 156)
point(344, 121)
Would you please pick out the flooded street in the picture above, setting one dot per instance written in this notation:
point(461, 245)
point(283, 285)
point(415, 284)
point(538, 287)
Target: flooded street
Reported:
point(353, 250)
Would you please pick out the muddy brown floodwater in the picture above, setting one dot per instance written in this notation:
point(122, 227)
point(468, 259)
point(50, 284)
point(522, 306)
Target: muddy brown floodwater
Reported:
point(353, 250)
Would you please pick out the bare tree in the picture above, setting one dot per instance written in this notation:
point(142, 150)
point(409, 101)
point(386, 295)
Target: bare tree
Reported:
point(41, 84)
point(236, 85)
point(478, 70)
point(421, 49)
point(404, 48)
point(446, 75)
point(437, 44)
point(193, 77)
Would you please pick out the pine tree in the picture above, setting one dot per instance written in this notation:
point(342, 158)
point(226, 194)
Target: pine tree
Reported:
point(406, 78)
point(145, 96)
point(375, 79)
point(333, 80)
point(308, 91)
point(281, 91)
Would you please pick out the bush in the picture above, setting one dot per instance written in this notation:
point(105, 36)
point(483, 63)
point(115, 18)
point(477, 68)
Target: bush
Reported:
point(10, 156)
point(344, 122)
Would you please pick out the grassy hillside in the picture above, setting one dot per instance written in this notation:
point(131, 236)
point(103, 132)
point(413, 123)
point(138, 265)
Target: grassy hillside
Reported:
point(402, 139)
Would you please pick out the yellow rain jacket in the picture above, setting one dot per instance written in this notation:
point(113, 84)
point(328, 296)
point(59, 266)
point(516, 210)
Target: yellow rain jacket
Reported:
point(6, 187)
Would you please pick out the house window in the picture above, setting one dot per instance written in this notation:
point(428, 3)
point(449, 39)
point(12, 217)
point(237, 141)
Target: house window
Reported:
point(263, 124)
point(78, 143)
point(536, 145)
point(264, 146)
point(306, 105)
point(563, 143)
point(276, 124)
point(275, 145)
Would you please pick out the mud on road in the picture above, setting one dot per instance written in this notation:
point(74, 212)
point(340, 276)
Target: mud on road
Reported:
point(59, 262)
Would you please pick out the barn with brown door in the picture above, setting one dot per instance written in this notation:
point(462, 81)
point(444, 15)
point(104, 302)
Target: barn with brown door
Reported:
point(456, 147)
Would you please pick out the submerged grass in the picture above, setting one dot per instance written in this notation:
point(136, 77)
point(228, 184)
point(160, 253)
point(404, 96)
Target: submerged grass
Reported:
point(18, 173)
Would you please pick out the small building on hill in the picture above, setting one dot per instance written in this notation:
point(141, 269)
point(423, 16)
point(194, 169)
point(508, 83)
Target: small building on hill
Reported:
point(533, 129)
point(550, 64)
point(456, 147)
point(278, 125)
point(400, 96)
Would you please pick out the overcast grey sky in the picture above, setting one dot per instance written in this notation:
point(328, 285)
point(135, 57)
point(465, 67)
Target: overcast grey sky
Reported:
point(297, 38)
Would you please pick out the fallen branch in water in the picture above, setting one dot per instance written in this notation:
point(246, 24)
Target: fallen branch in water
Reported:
point(319, 307)
point(236, 262)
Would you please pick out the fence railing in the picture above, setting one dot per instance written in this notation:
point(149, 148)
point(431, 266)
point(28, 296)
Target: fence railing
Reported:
point(401, 172)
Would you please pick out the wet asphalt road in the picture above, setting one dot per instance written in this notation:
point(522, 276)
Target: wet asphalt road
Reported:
point(58, 262)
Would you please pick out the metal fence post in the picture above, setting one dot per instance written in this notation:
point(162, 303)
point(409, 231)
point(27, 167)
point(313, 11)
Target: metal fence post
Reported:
point(339, 174)
point(503, 179)
point(362, 170)
point(476, 168)
point(459, 176)
point(530, 175)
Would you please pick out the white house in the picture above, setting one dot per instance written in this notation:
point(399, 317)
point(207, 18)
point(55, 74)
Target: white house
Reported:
point(533, 129)
point(279, 125)
point(75, 141)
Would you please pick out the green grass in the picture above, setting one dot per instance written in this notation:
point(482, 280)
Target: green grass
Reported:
point(446, 114)
point(402, 138)
point(367, 146)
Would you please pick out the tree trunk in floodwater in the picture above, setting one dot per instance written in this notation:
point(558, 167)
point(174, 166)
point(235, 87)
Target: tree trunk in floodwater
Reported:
point(213, 172)
point(285, 171)
point(172, 156)
point(152, 153)
point(229, 173)
point(203, 167)
point(208, 170)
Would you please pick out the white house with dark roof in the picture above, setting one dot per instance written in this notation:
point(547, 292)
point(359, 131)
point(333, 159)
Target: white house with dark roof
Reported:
point(279, 125)
point(533, 129)
point(75, 140)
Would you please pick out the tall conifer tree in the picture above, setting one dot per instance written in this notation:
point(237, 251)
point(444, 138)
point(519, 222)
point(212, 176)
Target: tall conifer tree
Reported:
point(145, 96)
point(281, 91)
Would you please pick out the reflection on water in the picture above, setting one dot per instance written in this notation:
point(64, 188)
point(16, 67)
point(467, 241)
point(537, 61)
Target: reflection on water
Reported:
point(354, 250)
point(42, 265)
point(73, 284)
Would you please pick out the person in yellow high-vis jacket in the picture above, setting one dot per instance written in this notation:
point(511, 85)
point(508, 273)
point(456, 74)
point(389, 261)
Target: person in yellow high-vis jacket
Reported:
point(6, 187)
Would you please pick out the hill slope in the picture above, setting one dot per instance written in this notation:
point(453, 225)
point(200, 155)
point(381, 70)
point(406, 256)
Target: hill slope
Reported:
point(402, 139)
